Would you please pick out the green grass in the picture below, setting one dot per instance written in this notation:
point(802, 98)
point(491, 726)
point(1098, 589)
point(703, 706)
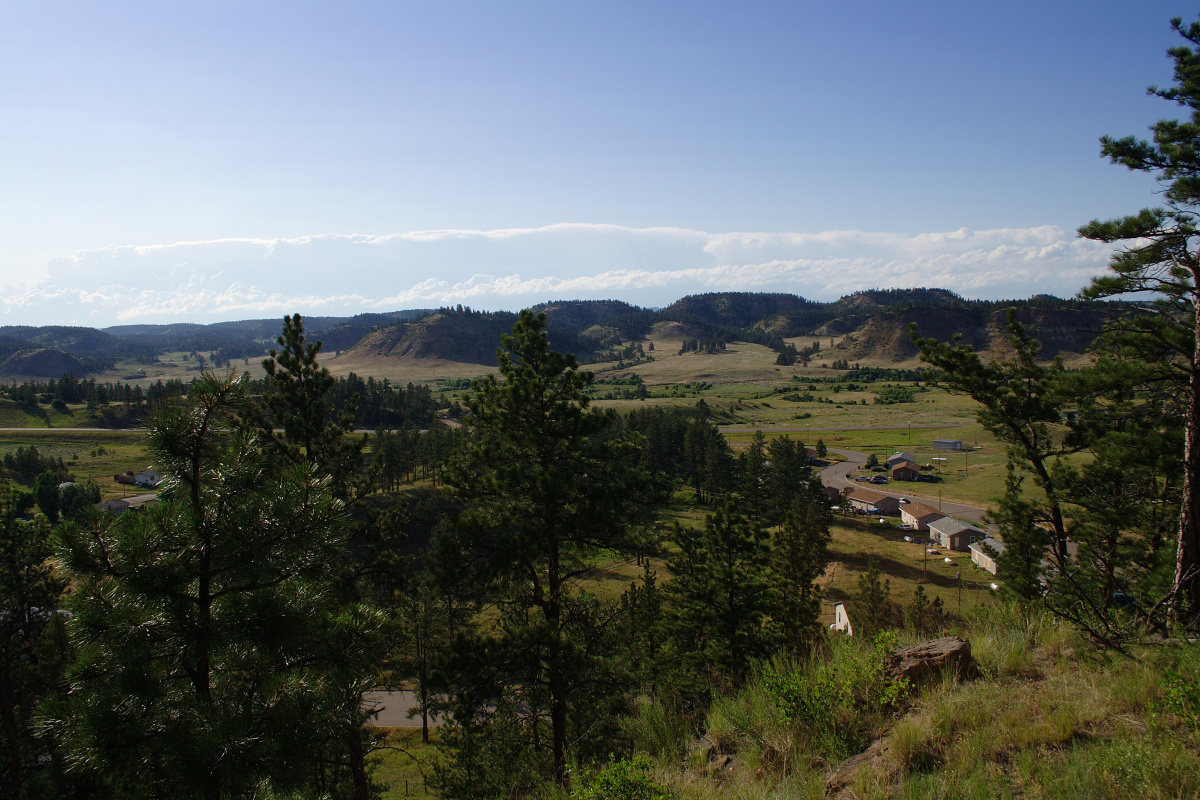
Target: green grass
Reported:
point(403, 764)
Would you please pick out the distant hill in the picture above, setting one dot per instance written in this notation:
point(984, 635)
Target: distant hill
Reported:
point(874, 323)
point(468, 337)
point(1061, 331)
point(44, 363)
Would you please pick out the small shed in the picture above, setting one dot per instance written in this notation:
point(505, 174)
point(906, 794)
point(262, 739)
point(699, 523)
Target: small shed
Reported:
point(954, 534)
point(947, 444)
point(985, 551)
point(906, 471)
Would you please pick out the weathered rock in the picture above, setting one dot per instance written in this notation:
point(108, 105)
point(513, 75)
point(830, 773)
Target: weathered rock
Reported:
point(846, 770)
point(930, 660)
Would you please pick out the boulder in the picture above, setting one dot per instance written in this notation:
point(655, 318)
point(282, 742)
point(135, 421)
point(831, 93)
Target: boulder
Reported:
point(930, 660)
point(845, 772)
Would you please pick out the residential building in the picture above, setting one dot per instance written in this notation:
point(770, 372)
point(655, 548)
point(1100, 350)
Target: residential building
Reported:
point(905, 471)
point(865, 500)
point(919, 515)
point(981, 556)
point(954, 534)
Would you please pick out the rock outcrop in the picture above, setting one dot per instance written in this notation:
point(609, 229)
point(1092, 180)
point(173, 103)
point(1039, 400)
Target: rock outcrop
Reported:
point(930, 660)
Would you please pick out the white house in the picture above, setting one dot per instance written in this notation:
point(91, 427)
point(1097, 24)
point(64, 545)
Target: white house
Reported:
point(148, 477)
point(981, 556)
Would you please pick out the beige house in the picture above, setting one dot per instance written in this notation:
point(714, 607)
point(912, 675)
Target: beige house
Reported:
point(865, 500)
point(919, 515)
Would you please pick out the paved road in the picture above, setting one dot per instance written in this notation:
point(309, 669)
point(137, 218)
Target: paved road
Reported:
point(392, 710)
point(802, 428)
point(835, 475)
point(70, 430)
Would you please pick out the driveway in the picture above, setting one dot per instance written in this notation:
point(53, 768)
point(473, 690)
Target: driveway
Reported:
point(391, 710)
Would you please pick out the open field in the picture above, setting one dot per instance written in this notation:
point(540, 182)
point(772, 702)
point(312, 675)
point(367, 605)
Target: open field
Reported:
point(97, 455)
point(178, 365)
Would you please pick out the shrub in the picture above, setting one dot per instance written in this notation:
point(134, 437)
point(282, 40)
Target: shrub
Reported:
point(627, 779)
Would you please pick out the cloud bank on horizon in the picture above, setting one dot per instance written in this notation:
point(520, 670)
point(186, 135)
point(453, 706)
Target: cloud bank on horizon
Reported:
point(335, 274)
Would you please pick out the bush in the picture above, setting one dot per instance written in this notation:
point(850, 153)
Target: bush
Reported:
point(620, 780)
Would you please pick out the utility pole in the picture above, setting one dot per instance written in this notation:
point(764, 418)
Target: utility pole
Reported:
point(958, 577)
point(925, 564)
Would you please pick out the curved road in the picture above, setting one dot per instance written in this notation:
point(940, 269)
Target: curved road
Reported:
point(835, 475)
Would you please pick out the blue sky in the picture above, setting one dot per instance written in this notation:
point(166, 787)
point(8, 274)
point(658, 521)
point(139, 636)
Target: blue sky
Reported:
point(210, 161)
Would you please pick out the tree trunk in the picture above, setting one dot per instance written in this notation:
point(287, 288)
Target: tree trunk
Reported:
point(558, 691)
point(13, 740)
point(1187, 584)
point(358, 764)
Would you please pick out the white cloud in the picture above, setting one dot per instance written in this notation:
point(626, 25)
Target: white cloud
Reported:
point(334, 274)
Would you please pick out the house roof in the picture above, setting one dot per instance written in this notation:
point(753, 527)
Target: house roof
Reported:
point(948, 526)
point(900, 456)
point(922, 513)
point(996, 545)
point(906, 465)
point(867, 496)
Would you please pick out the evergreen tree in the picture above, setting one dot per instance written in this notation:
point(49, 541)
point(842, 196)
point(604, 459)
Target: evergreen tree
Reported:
point(872, 608)
point(212, 660)
point(753, 488)
point(32, 653)
point(799, 555)
point(1020, 567)
point(298, 417)
point(1160, 255)
point(720, 596)
point(45, 493)
point(547, 488)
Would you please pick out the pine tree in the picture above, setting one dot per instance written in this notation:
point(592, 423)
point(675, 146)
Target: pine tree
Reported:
point(45, 493)
point(32, 650)
point(1160, 255)
point(298, 418)
point(872, 608)
point(799, 555)
point(547, 488)
point(720, 596)
point(212, 656)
